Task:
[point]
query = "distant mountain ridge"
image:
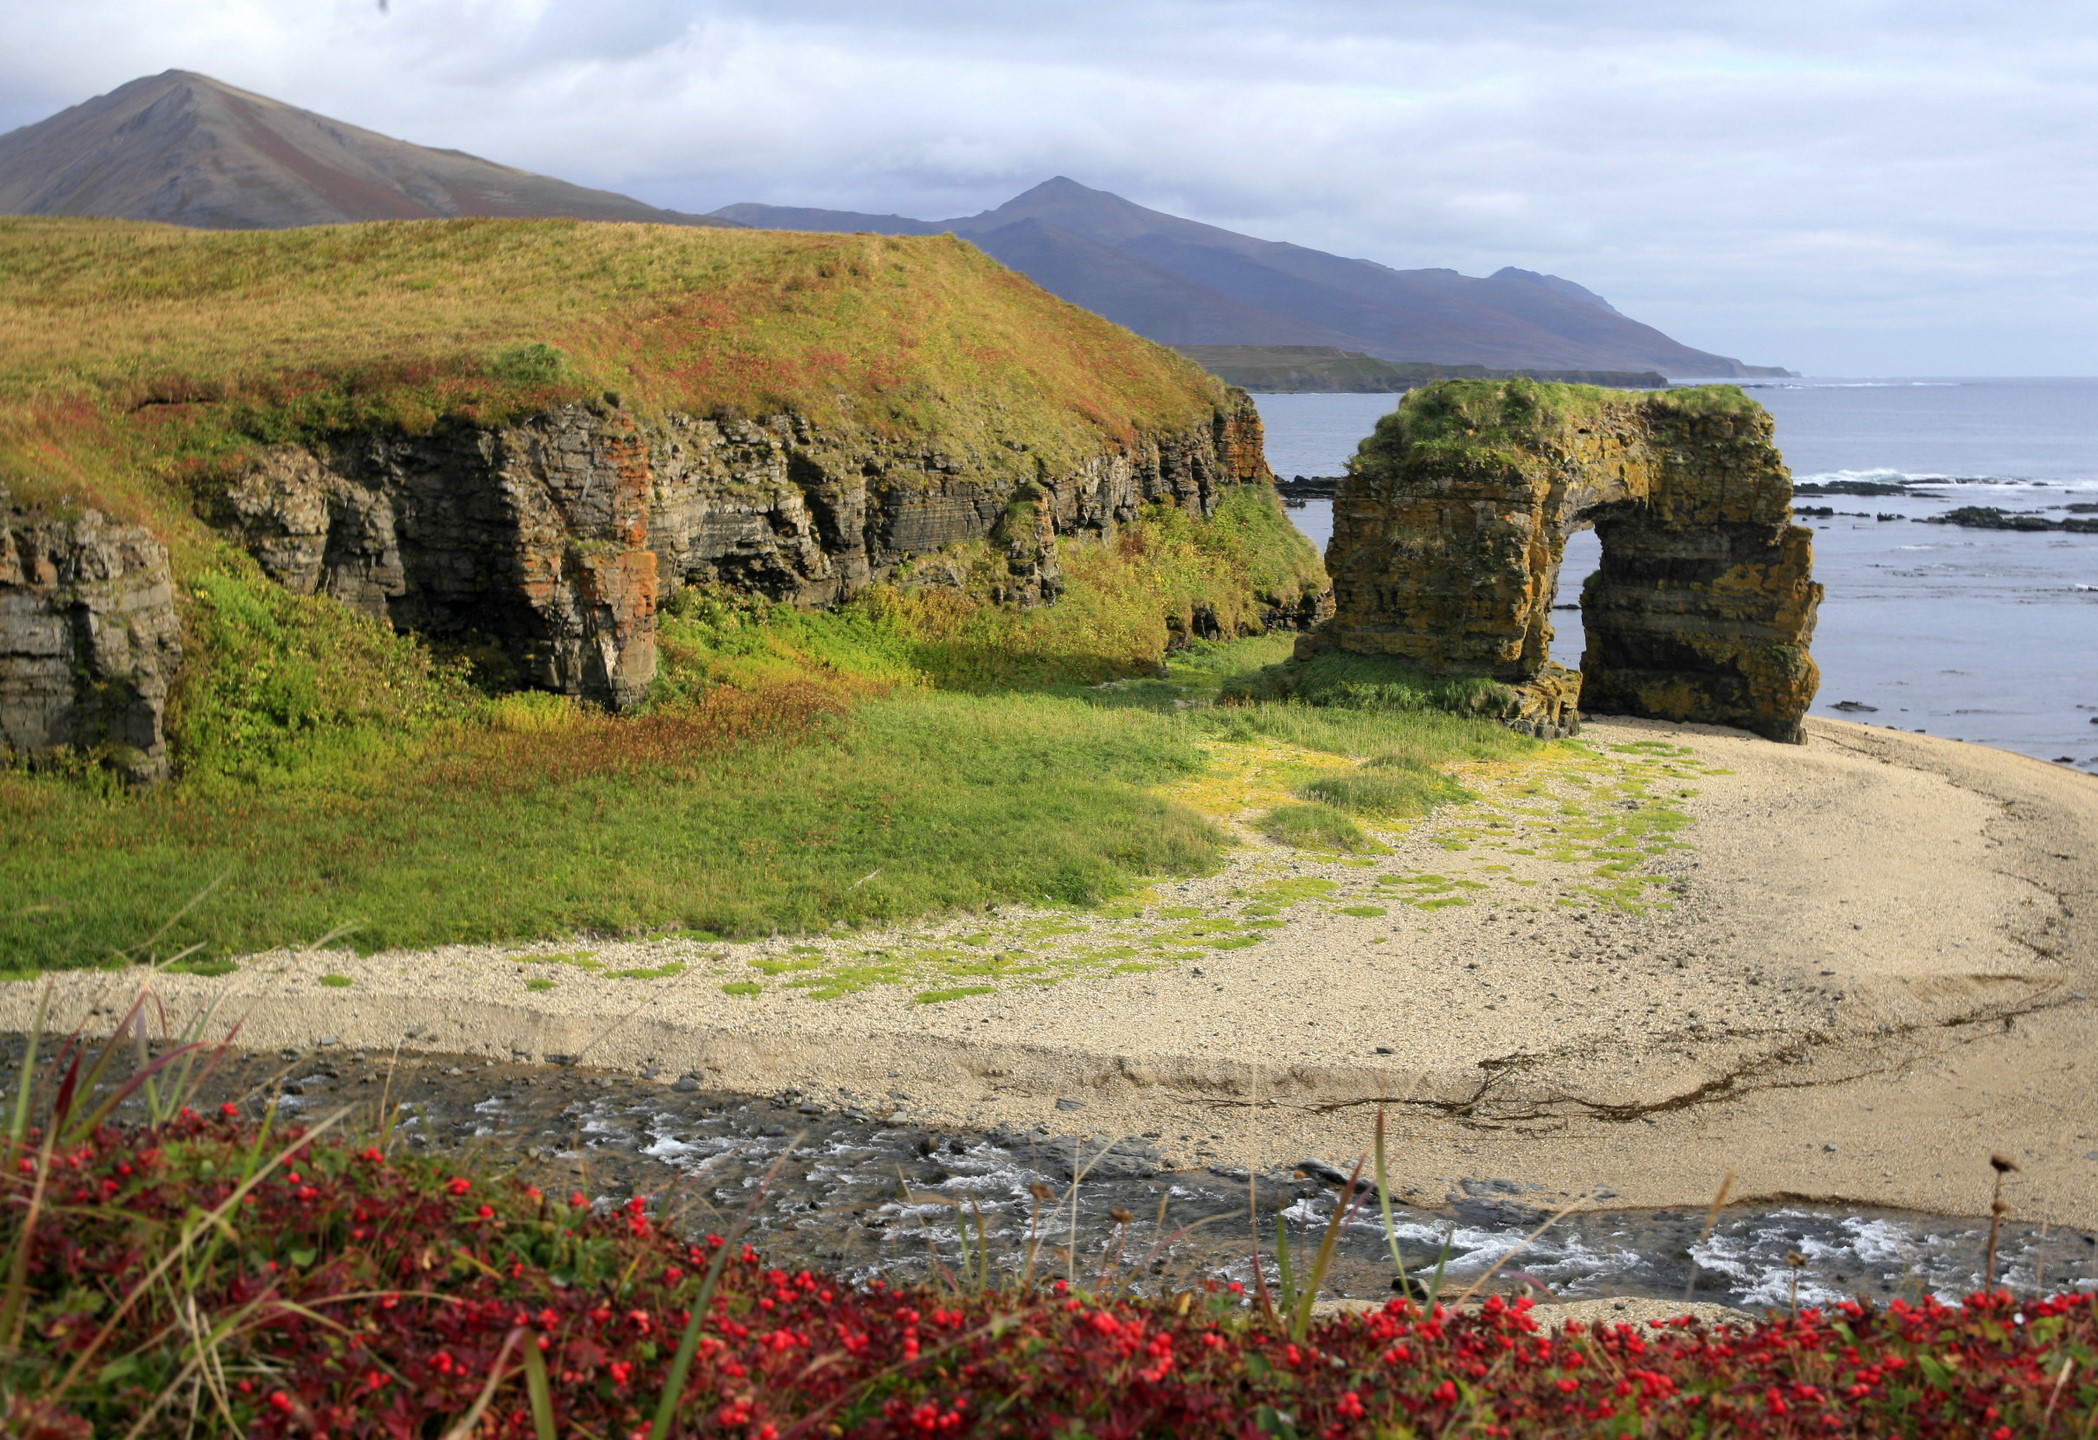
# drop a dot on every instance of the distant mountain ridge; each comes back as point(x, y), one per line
point(1181, 282)
point(187, 149)
point(190, 150)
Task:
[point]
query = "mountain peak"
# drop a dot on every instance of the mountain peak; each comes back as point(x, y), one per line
point(189, 149)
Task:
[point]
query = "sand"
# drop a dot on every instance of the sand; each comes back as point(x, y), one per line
point(1847, 971)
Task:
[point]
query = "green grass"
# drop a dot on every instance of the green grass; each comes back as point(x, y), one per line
point(1384, 793)
point(916, 801)
point(1372, 682)
point(1314, 827)
point(815, 798)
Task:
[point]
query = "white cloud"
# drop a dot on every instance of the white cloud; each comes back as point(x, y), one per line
point(1839, 186)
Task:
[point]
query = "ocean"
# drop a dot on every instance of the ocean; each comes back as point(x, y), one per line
point(1988, 636)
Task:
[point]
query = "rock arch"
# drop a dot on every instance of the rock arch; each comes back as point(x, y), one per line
point(1451, 524)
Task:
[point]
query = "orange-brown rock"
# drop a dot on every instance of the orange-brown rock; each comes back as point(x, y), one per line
point(1451, 524)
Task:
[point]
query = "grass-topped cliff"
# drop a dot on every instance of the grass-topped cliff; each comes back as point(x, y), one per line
point(132, 355)
point(1456, 419)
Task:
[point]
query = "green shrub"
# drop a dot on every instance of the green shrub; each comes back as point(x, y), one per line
point(1386, 793)
point(1314, 827)
point(1373, 682)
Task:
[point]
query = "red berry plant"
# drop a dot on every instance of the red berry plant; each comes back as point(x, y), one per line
point(208, 1274)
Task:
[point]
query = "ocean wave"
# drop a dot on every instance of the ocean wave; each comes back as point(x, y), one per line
point(1886, 476)
point(1841, 384)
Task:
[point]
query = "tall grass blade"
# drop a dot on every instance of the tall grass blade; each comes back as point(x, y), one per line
point(1391, 1229)
point(1527, 1241)
point(540, 1393)
point(18, 1121)
point(1711, 1219)
point(470, 1422)
point(1343, 1211)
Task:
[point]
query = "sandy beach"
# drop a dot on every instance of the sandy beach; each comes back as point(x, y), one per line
point(1848, 971)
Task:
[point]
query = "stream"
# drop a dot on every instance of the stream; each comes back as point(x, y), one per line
point(821, 1184)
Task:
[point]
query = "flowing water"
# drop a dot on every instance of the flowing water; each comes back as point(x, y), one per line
point(1988, 636)
point(826, 1184)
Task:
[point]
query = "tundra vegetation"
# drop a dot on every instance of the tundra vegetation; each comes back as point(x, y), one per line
point(175, 1273)
point(920, 748)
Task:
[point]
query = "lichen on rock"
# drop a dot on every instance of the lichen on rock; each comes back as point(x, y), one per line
point(1451, 525)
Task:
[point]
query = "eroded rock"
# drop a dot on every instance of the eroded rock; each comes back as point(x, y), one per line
point(554, 538)
point(89, 640)
point(1451, 524)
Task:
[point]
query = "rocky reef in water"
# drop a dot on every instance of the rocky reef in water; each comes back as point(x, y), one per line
point(1990, 517)
point(1451, 525)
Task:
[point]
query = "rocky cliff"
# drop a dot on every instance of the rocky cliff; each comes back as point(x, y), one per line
point(89, 641)
point(1451, 524)
point(515, 438)
point(551, 541)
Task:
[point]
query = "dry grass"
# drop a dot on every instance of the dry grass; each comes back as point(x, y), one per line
point(128, 347)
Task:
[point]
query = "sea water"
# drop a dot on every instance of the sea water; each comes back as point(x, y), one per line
point(1987, 636)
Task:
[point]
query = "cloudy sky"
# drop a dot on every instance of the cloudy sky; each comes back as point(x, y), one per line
point(1908, 187)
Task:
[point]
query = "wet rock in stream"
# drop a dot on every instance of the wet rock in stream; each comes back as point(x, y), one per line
point(837, 1187)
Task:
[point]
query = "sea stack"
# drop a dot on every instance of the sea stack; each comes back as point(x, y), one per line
point(1451, 523)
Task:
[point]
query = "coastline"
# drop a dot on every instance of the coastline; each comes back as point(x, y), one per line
point(1862, 967)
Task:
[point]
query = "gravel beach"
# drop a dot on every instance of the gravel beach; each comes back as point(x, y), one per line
point(1847, 972)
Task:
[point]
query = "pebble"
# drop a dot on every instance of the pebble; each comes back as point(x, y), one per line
point(1070, 1104)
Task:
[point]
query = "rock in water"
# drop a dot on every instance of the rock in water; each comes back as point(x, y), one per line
point(1451, 524)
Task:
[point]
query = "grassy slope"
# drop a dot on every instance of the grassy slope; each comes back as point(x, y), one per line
point(788, 758)
point(134, 356)
point(336, 775)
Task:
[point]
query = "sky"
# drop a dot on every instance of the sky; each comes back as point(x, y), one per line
point(1841, 187)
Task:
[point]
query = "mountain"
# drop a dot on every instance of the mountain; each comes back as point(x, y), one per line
point(1181, 282)
point(190, 150)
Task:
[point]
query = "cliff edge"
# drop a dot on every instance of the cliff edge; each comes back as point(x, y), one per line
point(517, 438)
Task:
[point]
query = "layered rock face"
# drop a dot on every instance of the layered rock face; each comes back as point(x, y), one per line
point(89, 640)
point(1450, 527)
point(553, 539)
